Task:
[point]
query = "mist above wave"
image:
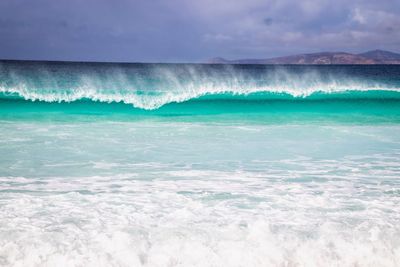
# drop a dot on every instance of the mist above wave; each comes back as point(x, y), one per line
point(150, 88)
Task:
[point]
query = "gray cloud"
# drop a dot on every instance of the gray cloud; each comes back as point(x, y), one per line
point(268, 21)
point(187, 31)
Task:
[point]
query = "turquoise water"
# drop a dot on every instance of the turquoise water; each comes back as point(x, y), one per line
point(199, 165)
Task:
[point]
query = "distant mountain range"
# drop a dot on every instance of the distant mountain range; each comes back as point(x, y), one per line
point(370, 57)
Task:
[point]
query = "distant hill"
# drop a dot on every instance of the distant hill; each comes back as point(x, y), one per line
point(370, 57)
point(381, 55)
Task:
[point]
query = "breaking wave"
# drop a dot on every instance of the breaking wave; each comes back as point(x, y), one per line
point(153, 87)
point(156, 99)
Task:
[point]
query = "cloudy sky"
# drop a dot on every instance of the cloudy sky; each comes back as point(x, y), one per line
point(193, 30)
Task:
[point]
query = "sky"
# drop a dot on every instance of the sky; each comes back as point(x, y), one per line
point(193, 30)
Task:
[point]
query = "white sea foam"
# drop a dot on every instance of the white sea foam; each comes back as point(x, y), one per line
point(191, 194)
point(207, 219)
point(147, 193)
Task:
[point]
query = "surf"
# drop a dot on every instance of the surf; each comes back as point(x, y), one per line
point(187, 89)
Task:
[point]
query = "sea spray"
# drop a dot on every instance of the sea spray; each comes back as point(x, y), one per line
point(152, 86)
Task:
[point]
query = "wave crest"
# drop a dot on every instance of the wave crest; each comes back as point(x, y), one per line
point(155, 99)
point(149, 87)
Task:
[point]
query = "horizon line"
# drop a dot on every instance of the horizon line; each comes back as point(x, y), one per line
point(196, 62)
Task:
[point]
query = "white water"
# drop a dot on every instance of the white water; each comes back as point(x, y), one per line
point(160, 86)
point(195, 194)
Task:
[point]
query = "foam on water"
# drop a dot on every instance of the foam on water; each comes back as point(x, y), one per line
point(329, 198)
point(203, 218)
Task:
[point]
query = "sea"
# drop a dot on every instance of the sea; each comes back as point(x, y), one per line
point(106, 164)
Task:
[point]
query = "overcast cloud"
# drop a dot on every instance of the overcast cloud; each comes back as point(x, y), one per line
point(192, 31)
